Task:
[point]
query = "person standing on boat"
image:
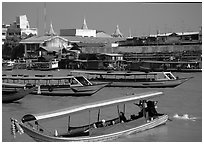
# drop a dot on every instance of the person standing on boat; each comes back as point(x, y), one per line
point(143, 109)
point(151, 109)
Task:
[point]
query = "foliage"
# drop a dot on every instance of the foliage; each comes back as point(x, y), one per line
point(12, 50)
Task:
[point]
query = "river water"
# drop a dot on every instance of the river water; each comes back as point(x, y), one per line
point(176, 102)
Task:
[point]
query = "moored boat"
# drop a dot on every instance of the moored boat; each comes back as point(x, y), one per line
point(97, 129)
point(173, 66)
point(135, 79)
point(12, 93)
point(59, 86)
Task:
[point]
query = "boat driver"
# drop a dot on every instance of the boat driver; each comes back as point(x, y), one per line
point(151, 109)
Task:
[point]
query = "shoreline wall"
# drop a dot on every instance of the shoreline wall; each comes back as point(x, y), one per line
point(153, 49)
point(143, 49)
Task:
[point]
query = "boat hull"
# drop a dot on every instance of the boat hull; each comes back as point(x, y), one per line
point(70, 91)
point(14, 94)
point(148, 84)
point(105, 134)
point(45, 69)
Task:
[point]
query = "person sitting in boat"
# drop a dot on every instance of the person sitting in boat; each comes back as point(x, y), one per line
point(122, 117)
point(103, 122)
point(94, 125)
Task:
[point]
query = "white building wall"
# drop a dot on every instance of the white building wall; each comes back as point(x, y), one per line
point(23, 22)
point(85, 33)
point(29, 31)
point(4, 31)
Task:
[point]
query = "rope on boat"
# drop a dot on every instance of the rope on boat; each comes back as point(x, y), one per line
point(15, 127)
point(42, 129)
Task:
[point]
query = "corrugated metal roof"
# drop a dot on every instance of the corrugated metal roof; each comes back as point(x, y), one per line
point(93, 39)
point(112, 54)
point(36, 39)
point(50, 49)
point(178, 33)
point(90, 44)
point(102, 35)
point(187, 33)
point(41, 39)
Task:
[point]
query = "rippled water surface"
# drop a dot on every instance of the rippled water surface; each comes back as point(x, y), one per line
point(176, 102)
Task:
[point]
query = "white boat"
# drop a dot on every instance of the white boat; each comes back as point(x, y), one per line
point(134, 79)
point(97, 129)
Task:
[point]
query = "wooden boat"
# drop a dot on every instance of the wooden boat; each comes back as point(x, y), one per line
point(59, 86)
point(11, 93)
point(95, 130)
point(135, 79)
point(173, 66)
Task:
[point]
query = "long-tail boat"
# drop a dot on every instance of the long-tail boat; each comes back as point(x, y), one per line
point(134, 79)
point(14, 92)
point(97, 129)
point(58, 86)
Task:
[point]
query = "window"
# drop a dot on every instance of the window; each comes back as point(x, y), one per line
point(169, 76)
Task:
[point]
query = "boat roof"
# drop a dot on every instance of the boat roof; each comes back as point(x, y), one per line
point(38, 78)
point(171, 62)
point(112, 73)
point(13, 85)
point(90, 106)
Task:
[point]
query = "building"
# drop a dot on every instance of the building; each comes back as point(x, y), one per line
point(83, 32)
point(84, 38)
point(117, 32)
point(42, 45)
point(20, 29)
point(4, 32)
point(178, 38)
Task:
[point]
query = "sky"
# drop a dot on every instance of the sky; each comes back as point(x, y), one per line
point(136, 18)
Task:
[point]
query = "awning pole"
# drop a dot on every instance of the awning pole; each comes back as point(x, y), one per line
point(124, 108)
point(89, 118)
point(68, 123)
point(98, 115)
point(144, 110)
point(118, 110)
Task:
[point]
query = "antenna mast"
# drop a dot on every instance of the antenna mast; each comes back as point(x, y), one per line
point(45, 18)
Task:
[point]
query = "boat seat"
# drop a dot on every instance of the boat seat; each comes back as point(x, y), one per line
point(78, 131)
point(37, 75)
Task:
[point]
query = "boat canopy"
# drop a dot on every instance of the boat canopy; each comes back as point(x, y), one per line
point(13, 85)
point(91, 106)
point(38, 78)
point(171, 62)
point(112, 73)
